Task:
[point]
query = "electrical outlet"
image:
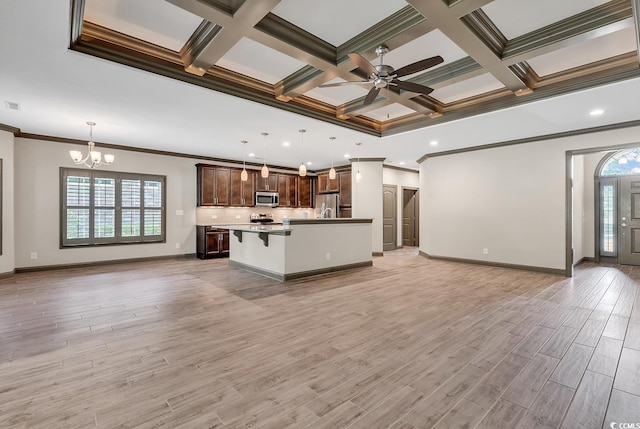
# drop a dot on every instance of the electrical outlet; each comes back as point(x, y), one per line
point(214, 216)
point(179, 212)
point(177, 245)
point(485, 251)
point(328, 256)
point(34, 255)
point(238, 216)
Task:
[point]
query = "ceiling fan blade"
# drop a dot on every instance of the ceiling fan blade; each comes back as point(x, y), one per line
point(419, 66)
point(328, 85)
point(362, 63)
point(373, 93)
point(413, 87)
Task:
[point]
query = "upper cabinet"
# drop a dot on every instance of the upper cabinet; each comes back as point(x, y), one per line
point(326, 185)
point(345, 188)
point(288, 190)
point(214, 185)
point(305, 192)
point(269, 184)
point(242, 193)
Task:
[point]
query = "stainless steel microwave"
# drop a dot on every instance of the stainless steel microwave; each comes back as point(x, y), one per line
point(267, 199)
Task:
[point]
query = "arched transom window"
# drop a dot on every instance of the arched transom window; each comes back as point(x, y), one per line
point(623, 163)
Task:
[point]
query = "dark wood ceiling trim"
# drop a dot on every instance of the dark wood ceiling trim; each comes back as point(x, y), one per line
point(405, 169)
point(97, 34)
point(618, 64)
point(192, 50)
point(244, 19)
point(300, 82)
point(122, 55)
point(76, 19)
point(461, 35)
point(583, 131)
point(104, 145)
point(285, 31)
point(589, 24)
point(8, 128)
point(228, 6)
point(486, 30)
point(507, 101)
point(384, 31)
point(524, 71)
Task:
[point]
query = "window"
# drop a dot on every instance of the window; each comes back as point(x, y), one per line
point(101, 207)
point(622, 163)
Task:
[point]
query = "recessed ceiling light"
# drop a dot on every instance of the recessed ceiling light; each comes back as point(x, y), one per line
point(596, 112)
point(252, 154)
point(12, 105)
point(346, 155)
point(433, 143)
point(309, 163)
point(401, 163)
point(285, 143)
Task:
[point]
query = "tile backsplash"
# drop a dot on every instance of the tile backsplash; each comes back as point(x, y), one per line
point(223, 215)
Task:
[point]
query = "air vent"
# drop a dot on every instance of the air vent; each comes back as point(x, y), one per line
point(12, 105)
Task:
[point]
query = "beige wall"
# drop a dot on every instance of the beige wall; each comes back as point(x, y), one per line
point(37, 207)
point(366, 198)
point(7, 259)
point(400, 178)
point(510, 200)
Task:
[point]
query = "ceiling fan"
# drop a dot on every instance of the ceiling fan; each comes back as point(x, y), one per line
point(384, 76)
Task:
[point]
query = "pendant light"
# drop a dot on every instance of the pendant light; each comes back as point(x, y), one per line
point(264, 172)
point(244, 176)
point(302, 170)
point(358, 174)
point(332, 172)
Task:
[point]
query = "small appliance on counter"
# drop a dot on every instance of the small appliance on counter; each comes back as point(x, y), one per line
point(263, 218)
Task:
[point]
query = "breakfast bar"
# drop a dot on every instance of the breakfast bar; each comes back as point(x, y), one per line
point(301, 247)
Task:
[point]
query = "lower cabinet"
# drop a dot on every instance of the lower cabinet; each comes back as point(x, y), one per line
point(211, 242)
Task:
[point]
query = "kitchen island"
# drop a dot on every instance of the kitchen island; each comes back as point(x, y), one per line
point(301, 247)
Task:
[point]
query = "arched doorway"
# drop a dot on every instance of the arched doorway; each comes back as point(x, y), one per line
point(618, 218)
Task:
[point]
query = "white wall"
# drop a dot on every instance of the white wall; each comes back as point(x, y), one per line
point(7, 259)
point(510, 200)
point(366, 198)
point(37, 205)
point(400, 178)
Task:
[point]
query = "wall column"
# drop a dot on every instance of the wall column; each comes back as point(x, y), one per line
point(367, 196)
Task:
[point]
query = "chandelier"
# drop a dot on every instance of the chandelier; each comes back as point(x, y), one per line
point(93, 158)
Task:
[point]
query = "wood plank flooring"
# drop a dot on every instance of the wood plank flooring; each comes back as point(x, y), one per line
point(408, 343)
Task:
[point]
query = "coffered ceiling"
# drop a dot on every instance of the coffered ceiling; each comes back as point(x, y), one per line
point(199, 76)
point(497, 54)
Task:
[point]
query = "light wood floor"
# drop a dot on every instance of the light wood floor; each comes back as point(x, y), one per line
point(407, 343)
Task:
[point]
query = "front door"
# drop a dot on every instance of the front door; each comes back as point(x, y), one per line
point(629, 221)
point(389, 214)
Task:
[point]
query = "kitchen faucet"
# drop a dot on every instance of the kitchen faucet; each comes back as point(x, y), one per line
point(324, 210)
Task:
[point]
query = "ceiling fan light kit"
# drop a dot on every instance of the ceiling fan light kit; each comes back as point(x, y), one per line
point(385, 76)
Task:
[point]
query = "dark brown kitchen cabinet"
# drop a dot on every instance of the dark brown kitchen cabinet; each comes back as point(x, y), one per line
point(344, 178)
point(270, 184)
point(213, 185)
point(211, 242)
point(288, 190)
point(242, 193)
point(305, 192)
point(326, 185)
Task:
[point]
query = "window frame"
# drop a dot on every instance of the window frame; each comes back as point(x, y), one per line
point(118, 239)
